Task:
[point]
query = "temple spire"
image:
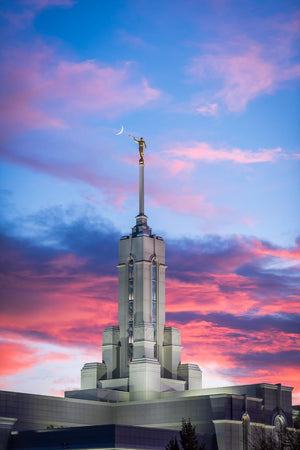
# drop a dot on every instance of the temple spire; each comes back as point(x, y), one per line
point(142, 145)
point(141, 227)
point(141, 189)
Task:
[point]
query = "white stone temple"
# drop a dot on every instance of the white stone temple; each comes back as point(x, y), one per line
point(141, 356)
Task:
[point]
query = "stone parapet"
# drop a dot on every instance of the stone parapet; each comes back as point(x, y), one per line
point(91, 373)
point(192, 374)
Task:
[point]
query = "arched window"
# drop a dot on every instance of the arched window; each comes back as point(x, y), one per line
point(130, 307)
point(279, 422)
point(279, 429)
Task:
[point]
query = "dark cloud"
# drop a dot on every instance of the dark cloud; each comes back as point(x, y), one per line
point(207, 254)
point(289, 323)
point(182, 317)
point(91, 238)
point(263, 359)
point(59, 270)
point(20, 253)
point(81, 336)
point(201, 261)
point(57, 234)
point(60, 286)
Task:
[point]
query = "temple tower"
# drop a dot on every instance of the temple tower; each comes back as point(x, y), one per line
point(141, 291)
point(141, 355)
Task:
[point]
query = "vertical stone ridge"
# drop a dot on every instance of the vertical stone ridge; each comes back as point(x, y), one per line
point(141, 190)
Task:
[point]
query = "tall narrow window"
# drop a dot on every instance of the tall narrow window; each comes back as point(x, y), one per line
point(154, 296)
point(130, 307)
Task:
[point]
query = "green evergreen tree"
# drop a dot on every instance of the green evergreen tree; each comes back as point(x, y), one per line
point(188, 438)
point(173, 444)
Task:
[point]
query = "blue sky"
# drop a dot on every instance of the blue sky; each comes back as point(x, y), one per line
point(184, 73)
point(213, 87)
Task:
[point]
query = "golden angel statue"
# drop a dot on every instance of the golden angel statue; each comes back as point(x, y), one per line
point(142, 144)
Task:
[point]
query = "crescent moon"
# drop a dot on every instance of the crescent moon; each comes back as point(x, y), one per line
point(121, 131)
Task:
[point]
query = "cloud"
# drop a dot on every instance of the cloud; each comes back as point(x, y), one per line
point(28, 10)
point(288, 323)
point(242, 355)
point(184, 202)
point(202, 151)
point(211, 275)
point(281, 366)
point(267, 249)
point(55, 293)
point(60, 288)
point(239, 297)
point(113, 190)
point(290, 358)
point(16, 356)
point(181, 157)
point(210, 109)
point(132, 40)
point(245, 68)
point(40, 89)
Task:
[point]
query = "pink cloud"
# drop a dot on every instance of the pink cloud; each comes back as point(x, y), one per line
point(246, 68)
point(58, 297)
point(283, 253)
point(210, 109)
point(231, 348)
point(204, 152)
point(196, 332)
point(172, 167)
point(76, 298)
point(185, 203)
point(245, 76)
point(249, 221)
point(178, 160)
point(225, 289)
point(230, 353)
point(228, 357)
point(16, 357)
point(182, 157)
point(115, 192)
point(88, 86)
point(228, 292)
point(285, 374)
point(41, 90)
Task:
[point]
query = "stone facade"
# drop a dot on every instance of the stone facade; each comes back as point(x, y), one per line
point(217, 413)
point(140, 355)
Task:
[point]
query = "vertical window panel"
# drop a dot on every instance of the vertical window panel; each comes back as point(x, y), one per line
point(154, 296)
point(130, 308)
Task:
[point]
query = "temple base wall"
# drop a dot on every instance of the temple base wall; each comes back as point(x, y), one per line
point(144, 379)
